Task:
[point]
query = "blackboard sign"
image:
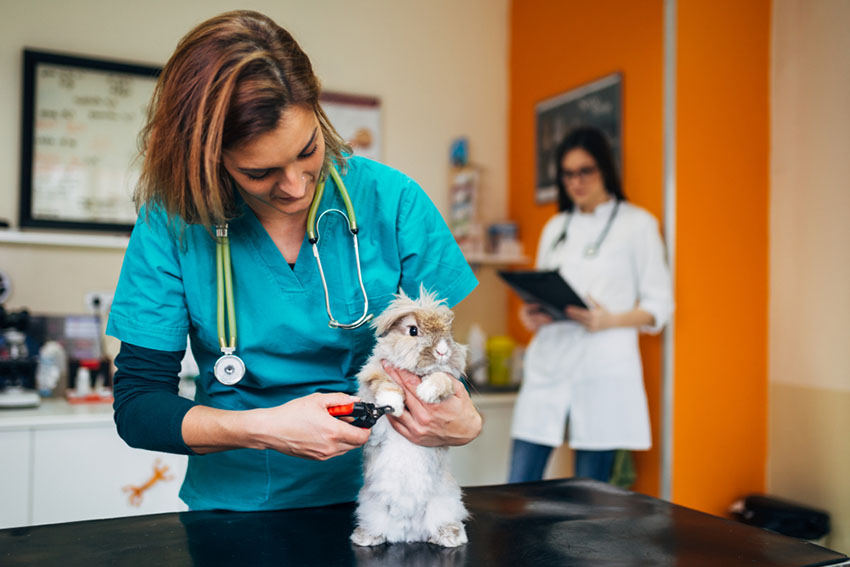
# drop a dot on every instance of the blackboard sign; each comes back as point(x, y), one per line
point(79, 141)
point(596, 104)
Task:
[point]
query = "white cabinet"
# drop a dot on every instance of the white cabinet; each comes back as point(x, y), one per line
point(88, 473)
point(62, 463)
point(15, 483)
point(486, 460)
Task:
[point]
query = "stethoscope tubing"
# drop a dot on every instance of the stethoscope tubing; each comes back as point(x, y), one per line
point(313, 223)
point(365, 317)
point(225, 290)
point(229, 368)
point(313, 236)
point(592, 250)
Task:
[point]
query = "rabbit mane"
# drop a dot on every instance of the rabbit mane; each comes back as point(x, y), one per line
point(434, 319)
point(403, 305)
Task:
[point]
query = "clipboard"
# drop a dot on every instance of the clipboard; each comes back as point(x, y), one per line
point(546, 288)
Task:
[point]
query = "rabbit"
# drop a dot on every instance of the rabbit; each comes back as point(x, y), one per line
point(409, 494)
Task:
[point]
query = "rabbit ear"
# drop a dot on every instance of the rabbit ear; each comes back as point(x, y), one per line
point(398, 308)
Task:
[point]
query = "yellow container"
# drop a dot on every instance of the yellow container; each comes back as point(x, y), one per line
point(500, 350)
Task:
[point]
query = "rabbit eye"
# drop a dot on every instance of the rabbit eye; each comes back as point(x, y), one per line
point(413, 330)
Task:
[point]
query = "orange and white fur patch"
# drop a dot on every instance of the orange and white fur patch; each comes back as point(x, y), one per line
point(409, 494)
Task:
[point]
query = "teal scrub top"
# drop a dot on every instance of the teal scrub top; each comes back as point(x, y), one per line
point(167, 291)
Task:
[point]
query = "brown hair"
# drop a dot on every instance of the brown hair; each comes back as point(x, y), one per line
point(229, 80)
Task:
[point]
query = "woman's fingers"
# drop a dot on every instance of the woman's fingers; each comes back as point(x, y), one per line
point(303, 427)
point(453, 421)
point(577, 313)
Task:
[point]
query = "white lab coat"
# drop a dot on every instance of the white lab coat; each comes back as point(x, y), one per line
point(595, 379)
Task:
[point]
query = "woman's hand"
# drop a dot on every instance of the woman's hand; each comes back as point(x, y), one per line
point(533, 317)
point(301, 428)
point(453, 421)
point(597, 318)
point(304, 428)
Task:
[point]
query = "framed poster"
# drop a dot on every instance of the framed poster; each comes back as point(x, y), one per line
point(79, 141)
point(463, 196)
point(596, 104)
point(357, 118)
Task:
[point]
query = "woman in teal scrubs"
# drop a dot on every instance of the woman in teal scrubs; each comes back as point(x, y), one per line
point(236, 135)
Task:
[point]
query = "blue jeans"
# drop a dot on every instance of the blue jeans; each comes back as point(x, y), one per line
point(528, 462)
point(594, 464)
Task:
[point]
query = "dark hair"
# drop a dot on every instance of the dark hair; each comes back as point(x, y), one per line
point(593, 141)
point(229, 80)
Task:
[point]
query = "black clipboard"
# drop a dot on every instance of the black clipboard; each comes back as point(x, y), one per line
point(546, 288)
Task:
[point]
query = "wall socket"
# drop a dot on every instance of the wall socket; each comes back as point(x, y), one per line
point(98, 302)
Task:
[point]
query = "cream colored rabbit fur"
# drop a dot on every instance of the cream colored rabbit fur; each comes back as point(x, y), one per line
point(409, 493)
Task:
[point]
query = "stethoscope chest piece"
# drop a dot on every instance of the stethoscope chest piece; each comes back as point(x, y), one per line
point(229, 369)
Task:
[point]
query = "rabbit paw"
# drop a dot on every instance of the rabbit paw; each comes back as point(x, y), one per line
point(449, 535)
point(435, 387)
point(362, 538)
point(391, 398)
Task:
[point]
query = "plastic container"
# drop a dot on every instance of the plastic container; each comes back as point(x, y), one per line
point(500, 350)
point(477, 343)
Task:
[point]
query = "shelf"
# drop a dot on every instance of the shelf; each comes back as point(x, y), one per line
point(13, 236)
point(494, 259)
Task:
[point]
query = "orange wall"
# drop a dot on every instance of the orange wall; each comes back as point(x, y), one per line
point(556, 46)
point(720, 419)
point(719, 448)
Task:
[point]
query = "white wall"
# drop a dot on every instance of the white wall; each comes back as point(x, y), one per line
point(809, 327)
point(439, 68)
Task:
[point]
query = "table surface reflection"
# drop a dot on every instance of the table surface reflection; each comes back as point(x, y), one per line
point(572, 522)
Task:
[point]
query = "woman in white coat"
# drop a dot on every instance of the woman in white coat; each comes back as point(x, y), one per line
point(584, 374)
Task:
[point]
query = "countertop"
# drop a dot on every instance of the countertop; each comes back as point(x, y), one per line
point(55, 412)
point(572, 522)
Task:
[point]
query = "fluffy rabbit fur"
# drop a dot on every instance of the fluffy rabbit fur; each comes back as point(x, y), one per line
point(409, 493)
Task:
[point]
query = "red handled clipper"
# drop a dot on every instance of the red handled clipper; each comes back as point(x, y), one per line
point(364, 413)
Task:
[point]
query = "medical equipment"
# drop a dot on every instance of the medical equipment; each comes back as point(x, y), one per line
point(313, 237)
point(365, 414)
point(17, 365)
point(229, 368)
point(592, 249)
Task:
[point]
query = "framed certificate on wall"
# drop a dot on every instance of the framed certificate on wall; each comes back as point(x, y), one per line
point(81, 122)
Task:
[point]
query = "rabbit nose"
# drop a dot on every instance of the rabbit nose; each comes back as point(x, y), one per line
point(442, 348)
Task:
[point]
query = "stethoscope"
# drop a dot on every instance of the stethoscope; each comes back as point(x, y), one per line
point(229, 368)
point(592, 249)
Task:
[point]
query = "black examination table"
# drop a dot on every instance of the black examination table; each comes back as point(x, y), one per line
point(550, 523)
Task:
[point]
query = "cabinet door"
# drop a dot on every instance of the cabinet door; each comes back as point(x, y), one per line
point(486, 460)
point(84, 473)
point(15, 478)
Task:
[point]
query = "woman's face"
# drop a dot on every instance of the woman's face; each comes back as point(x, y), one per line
point(583, 180)
point(276, 172)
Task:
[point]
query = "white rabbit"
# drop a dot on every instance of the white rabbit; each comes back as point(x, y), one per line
point(409, 493)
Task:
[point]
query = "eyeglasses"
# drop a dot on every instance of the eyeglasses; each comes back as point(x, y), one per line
point(583, 173)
